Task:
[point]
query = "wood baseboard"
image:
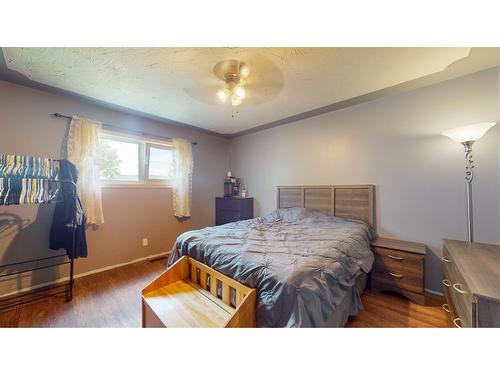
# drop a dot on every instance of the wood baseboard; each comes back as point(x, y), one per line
point(429, 298)
point(433, 299)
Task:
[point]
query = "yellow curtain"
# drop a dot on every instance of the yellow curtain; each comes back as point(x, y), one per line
point(83, 147)
point(182, 189)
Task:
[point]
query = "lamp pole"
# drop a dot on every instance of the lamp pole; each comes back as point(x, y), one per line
point(469, 175)
point(467, 135)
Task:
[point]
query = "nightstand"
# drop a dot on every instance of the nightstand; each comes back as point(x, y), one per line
point(228, 210)
point(399, 267)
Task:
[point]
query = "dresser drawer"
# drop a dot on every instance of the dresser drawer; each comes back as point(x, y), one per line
point(399, 260)
point(228, 210)
point(447, 290)
point(395, 281)
point(457, 292)
point(446, 260)
point(472, 281)
point(224, 217)
point(229, 204)
point(460, 297)
point(398, 269)
point(448, 307)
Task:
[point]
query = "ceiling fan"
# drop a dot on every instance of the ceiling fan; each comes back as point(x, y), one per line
point(234, 73)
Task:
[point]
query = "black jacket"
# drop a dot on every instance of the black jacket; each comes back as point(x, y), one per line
point(69, 213)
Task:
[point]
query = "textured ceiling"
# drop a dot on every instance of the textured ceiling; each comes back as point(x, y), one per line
point(178, 83)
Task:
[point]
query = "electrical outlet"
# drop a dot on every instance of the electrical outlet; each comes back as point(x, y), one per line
point(144, 242)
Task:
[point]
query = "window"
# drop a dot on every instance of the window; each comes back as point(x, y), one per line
point(134, 161)
point(160, 162)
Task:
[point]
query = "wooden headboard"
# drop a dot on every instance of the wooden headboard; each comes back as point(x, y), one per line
point(347, 201)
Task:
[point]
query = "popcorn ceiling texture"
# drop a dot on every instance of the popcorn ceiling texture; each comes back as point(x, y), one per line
point(179, 84)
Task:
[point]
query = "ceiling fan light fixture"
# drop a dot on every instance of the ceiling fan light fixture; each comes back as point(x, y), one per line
point(234, 74)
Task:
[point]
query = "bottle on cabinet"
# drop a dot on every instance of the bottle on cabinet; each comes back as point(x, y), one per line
point(231, 186)
point(228, 186)
point(236, 188)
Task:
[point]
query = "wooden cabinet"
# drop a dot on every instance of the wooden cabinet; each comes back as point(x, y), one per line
point(471, 283)
point(228, 210)
point(399, 267)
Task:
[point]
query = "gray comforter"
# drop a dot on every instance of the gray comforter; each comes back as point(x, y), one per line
point(303, 263)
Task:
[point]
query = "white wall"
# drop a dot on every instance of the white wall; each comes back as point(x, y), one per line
point(394, 143)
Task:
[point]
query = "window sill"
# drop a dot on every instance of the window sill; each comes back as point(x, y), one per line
point(135, 186)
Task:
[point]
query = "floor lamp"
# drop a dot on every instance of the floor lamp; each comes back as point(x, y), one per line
point(467, 135)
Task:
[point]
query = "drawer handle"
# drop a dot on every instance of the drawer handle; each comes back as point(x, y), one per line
point(455, 322)
point(446, 260)
point(446, 307)
point(446, 282)
point(394, 257)
point(457, 286)
point(395, 275)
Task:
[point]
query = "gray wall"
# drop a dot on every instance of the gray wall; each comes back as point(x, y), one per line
point(130, 214)
point(395, 144)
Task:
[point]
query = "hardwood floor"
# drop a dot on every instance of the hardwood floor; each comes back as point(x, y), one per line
point(386, 310)
point(112, 299)
point(107, 299)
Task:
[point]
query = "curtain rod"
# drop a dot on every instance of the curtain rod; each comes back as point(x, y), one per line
point(120, 129)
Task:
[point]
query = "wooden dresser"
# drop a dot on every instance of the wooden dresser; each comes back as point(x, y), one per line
point(228, 210)
point(471, 283)
point(399, 267)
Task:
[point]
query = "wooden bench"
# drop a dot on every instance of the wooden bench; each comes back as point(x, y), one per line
point(191, 294)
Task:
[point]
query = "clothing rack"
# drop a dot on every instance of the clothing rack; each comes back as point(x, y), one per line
point(120, 129)
point(23, 298)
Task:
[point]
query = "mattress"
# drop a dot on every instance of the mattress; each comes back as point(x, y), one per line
point(304, 264)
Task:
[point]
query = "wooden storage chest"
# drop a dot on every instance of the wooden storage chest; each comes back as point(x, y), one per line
point(191, 294)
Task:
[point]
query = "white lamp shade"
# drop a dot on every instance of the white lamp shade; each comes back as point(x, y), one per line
point(469, 132)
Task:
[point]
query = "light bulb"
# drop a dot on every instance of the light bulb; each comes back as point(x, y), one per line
point(222, 95)
point(239, 92)
point(235, 101)
point(244, 70)
point(469, 133)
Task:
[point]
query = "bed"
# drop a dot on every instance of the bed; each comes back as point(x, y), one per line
point(308, 259)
